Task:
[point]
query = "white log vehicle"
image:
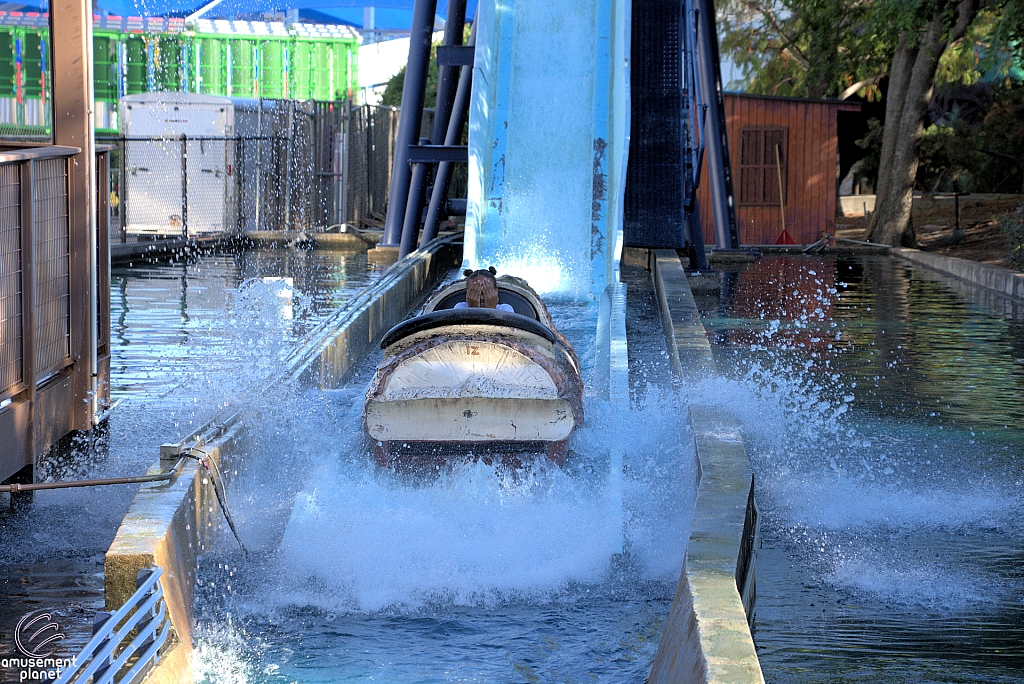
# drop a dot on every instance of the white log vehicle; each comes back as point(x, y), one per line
point(475, 377)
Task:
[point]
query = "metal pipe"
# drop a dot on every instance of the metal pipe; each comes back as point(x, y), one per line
point(413, 92)
point(719, 171)
point(201, 11)
point(443, 177)
point(159, 477)
point(447, 77)
point(91, 185)
point(414, 206)
point(446, 93)
point(695, 239)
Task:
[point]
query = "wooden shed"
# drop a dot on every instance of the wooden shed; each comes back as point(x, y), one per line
point(766, 133)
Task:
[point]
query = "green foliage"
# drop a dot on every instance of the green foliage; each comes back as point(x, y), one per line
point(984, 157)
point(806, 48)
point(392, 96)
point(819, 48)
point(1013, 225)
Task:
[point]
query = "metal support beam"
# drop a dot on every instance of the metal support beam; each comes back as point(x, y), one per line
point(72, 60)
point(457, 55)
point(413, 92)
point(436, 154)
point(443, 177)
point(446, 85)
point(414, 205)
point(694, 116)
point(448, 75)
point(709, 79)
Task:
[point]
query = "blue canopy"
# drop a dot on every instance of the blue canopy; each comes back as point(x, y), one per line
point(389, 14)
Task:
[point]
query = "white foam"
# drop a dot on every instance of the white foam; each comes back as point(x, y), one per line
point(859, 497)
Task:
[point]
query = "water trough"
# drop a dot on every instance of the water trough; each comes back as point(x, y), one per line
point(706, 637)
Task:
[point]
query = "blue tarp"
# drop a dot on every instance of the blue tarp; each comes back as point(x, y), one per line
point(389, 15)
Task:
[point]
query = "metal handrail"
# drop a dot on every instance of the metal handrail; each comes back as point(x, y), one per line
point(41, 152)
point(100, 660)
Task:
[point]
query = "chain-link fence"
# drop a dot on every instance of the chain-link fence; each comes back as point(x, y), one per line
point(290, 166)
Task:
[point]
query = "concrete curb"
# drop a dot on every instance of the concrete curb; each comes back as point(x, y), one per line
point(707, 637)
point(169, 523)
point(330, 240)
point(1003, 281)
point(146, 250)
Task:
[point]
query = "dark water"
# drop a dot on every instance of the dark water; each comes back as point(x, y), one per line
point(884, 414)
point(187, 338)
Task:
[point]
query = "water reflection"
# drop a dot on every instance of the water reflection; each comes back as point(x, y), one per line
point(218, 315)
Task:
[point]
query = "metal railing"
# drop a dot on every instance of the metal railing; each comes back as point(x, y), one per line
point(143, 620)
point(35, 281)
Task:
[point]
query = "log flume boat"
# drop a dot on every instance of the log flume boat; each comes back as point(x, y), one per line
point(475, 379)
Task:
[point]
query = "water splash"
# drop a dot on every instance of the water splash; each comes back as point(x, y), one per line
point(857, 494)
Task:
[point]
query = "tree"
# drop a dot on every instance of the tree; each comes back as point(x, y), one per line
point(927, 28)
point(804, 48)
point(817, 48)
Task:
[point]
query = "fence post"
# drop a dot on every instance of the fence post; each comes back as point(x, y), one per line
point(141, 579)
point(344, 185)
point(288, 167)
point(184, 185)
point(28, 306)
point(259, 160)
point(122, 190)
point(98, 623)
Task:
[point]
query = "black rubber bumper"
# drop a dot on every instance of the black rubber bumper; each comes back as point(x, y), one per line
point(471, 316)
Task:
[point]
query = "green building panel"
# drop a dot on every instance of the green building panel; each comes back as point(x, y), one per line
point(211, 55)
point(8, 83)
point(137, 64)
point(300, 71)
point(273, 71)
point(323, 73)
point(243, 68)
point(168, 63)
point(32, 59)
point(344, 67)
point(106, 69)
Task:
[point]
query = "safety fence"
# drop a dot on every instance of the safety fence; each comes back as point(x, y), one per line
point(126, 643)
point(45, 290)
point(35, 283)
point(290, 166)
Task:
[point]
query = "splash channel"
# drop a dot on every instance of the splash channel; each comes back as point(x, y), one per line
point(474, 572)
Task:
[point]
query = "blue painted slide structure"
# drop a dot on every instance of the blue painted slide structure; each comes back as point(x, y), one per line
point(548, 141)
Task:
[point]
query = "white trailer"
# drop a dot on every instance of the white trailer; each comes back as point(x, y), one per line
point(165, 193)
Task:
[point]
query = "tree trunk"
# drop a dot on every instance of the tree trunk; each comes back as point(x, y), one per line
point(911, 80)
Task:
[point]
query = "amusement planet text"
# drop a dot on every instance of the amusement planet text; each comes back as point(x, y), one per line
point(36, 669)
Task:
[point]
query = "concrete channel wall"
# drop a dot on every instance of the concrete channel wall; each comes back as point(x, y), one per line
point(707, 635)
point(169, 523)
point(1003, 281)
